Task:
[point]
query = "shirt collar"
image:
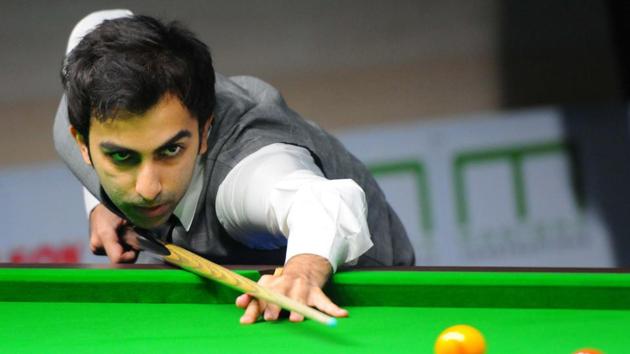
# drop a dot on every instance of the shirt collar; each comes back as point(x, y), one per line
point(185, 210)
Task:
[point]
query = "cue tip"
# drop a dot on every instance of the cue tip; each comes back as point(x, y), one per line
point(332, 323)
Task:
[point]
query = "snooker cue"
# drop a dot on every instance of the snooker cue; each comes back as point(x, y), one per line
point(207, 269)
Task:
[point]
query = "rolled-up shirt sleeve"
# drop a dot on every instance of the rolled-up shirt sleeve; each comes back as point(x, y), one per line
point(278, 195)
point(90, 201)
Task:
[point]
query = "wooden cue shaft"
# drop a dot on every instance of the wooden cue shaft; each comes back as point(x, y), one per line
point(205, 268)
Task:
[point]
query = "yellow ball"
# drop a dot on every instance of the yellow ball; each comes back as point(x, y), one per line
point(460, 339)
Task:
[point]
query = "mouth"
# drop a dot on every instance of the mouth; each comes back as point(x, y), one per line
point(153, 212)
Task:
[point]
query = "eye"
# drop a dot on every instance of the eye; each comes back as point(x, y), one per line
point(171, 151)
point(120, 156)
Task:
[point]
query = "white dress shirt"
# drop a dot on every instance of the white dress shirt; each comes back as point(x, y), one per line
point(278, 196)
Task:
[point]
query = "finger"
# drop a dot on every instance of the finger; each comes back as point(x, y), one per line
point(262, 306)
point(296, 317)
point(130, 238)
point(112, 246)
point(299, 293)
point(251, 313)
point(243, 301)
point(96, 246)
point(319, 300)
point(258, 307)
point(267, 282)
point(128, 256)
point(272, 311)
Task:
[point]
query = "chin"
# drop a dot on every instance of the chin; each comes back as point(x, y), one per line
point(154, 224)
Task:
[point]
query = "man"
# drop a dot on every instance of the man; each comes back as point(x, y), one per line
point(163, 142)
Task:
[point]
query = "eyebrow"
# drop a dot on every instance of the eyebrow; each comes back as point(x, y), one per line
point(184, 133)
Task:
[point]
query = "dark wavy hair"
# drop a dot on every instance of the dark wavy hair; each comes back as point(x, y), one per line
point(124, 66)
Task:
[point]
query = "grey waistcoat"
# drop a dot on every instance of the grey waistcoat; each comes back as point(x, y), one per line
point(249, 115)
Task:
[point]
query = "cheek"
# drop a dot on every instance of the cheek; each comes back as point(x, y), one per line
point(117, 184)
point(177, 178)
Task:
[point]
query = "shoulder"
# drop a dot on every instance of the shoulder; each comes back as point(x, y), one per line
point(237, 96)
point(259, 90)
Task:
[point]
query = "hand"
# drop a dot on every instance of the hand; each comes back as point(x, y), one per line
point(302, 279)
point(110, 234)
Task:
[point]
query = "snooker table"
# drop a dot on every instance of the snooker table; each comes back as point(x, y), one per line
point(399, 310)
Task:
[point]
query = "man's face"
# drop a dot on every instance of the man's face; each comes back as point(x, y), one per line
point(145, 162)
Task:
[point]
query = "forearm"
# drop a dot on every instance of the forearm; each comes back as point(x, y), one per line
point(279, 191)
point(324, 217)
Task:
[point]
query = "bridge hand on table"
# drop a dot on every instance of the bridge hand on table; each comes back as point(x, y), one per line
point(301, 279)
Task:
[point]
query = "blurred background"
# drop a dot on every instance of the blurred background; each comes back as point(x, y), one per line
point(498, 129)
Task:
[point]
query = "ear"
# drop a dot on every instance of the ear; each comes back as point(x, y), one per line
point(81, 143)
point(203, 144)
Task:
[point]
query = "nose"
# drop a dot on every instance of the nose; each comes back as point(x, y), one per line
point(148, 184)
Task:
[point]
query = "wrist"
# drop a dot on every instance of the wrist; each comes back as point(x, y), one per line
point(91, 211)
point(315, 269)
